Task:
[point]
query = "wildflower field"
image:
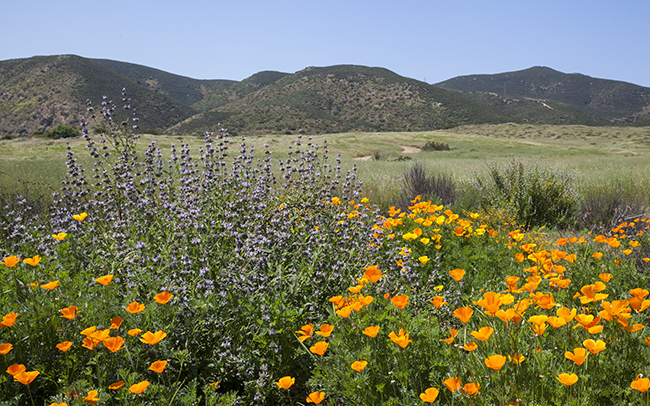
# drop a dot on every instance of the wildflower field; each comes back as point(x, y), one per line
point(205, 279)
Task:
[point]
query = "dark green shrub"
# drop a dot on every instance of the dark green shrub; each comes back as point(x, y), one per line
point(63, 131)
point(536, 196)
point(435, 146)
point(430, 186)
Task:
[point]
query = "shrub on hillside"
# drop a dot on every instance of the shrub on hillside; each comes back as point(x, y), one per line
point(536, 196)
point(63, 131)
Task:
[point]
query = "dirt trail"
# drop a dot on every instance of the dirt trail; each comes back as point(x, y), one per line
point(410, 150)
point(405, 150)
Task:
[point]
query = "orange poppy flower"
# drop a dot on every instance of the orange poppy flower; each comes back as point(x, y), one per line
point(400, 301)
point(568, 379)
point(319, 348)
point(453, 333)
point(116, 385)
point(464, 313)
point(556, 322)
point(163, 297)
point(566, 313)
point(359, 365)
point(153, 338)
point(594, 346)
point(10, 261)
point(25, 377)
point(113, 344)
point(285, 382)
point(471, 388)
point(90, 343)
point(430, 395)
point(438, 301)
point(371, 331)
point(483, 333)
point(64, 346)
point(135, 307)
point(579, 355)
point(69, 312)
point(305, 332)
point(15, 369)
point(402, 339)
point(158, 366)
point(139, 387)
point(134, 332)
point(372, 273)
point(59, 236)
point(518, 358)
point(344, 311)
point(325, 330)
point(316, 397)
point(51, 285)
point(495, 362)
point(457, 274)
point(33, 261)
point(104, 280)
point(5, 348)
point(640, 384)
point(471, 346)
point(116, 322)
point(452, 384)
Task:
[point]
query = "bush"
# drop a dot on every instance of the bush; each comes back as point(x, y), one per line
point(417, 182)
point(536, 196)
point(607, 205)
point(63, 131)
point(435, 146)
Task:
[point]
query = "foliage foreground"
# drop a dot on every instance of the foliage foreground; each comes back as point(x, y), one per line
point(193, 281)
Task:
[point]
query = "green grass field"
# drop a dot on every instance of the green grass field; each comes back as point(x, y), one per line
point(597, 156)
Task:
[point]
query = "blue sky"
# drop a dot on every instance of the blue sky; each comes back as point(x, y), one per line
point(432, 40)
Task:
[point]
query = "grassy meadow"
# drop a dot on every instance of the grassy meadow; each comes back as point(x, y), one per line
point(271, 272)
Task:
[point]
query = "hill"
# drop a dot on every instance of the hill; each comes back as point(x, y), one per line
point(338, 99)
point(40, 92)
point(180, 88)
point(581, 99)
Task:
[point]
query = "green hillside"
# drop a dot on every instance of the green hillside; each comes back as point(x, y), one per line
point(40, 92)
point(180, 88)
point(343, 98)
point(614, 101)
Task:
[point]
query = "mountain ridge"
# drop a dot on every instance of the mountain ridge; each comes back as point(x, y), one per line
point(42, 91)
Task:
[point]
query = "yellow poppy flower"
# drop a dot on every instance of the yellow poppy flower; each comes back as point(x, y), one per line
point(579, 355)
point(80, 217)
